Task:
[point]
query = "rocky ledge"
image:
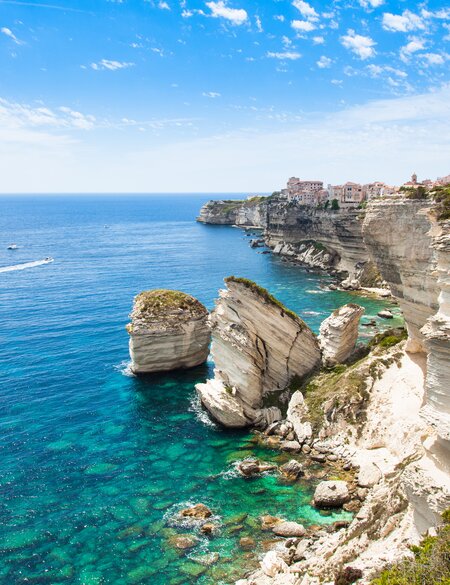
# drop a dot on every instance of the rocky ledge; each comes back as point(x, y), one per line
point(168, 330)
point(339, 333)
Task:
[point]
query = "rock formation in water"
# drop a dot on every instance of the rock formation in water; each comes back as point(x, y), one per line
point(168, 330)
point(339, 333)
point(258, 346)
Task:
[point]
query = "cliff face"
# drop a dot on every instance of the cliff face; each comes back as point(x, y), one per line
point(258, 346)
point(338, 233)
point(251, 212)
point(168, 330)
point(412, 251)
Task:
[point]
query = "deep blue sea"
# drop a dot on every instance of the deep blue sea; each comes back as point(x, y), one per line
point(94, 462)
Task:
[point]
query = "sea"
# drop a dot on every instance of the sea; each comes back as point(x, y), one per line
point(96, 463)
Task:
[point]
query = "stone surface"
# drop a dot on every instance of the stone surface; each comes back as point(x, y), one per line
point(369, 474)
point(272, 564)
point(289, 529)
point(250, 467)
point(297, 415)
point(292, 469)
point(199, 511)
point(258, 347)
point(339, 333)
point(331, 494)
point(168, 330)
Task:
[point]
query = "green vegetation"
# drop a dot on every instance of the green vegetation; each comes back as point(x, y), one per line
point(389, 338)
point(264, 294)
point(430, 564)
point(418, 192)
point(153, 303)
point(441, 196)
point(334, 204)
point(327, 203)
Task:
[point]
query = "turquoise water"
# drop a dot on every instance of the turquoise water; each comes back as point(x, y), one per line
point(95, 463)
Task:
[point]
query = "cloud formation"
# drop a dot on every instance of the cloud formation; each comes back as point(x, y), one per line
point(110, 65)
point(220, 9)
point(361, 45)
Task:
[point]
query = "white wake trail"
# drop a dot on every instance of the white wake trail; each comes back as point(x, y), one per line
point(25, 265)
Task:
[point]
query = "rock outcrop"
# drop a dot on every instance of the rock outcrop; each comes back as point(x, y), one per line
point(331, 494)
point(258, 346)
point(339, 333)
point(246, 213)
point(168, 330)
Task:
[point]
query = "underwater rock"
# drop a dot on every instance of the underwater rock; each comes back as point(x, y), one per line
point(292, 469)
point(247, 543)
point(168, 330)
point(339, 333)
point(331, 494)
point(183, 541)
point(250, 467)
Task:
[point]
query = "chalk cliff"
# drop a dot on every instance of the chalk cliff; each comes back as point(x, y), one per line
point(245, 213)
point(412, 250)
point(168, 330)
point(258, 346)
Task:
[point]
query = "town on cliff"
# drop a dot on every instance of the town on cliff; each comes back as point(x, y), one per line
point(371, 422)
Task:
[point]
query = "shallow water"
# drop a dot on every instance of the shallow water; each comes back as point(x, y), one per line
point(95, 462)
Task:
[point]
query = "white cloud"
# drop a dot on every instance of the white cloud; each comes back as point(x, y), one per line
point(359, 44)
point(9, 33)
point(163, 6)
point(377, 70)
point(434, 58)
point(318, 40)
point(371, 3)
point(279, 17)
point(324, 62)
point(303, 25)
point(305, 9)
point(412, 47)
point(405, 22)
point(110, 65)
point(258, 24)
point(286, 41)
point(211, 94)
point(285, 55)
point(221, 10)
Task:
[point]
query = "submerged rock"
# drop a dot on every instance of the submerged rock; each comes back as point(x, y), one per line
point(331, 494)
point(339, 333)
point(199, 511)
point(258, 347)
point(168, 330)
point(250, 467)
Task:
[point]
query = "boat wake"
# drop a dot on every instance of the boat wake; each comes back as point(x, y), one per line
point(26, 265)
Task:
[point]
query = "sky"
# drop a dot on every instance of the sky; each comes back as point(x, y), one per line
point(221, 95)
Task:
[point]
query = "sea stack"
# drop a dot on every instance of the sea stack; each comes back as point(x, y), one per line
point(168, 331)
point(339, 334)
point(258, 347)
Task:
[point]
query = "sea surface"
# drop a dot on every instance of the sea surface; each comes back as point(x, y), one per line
point(95, 463)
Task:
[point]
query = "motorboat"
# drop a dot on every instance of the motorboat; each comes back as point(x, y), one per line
point(12, 247)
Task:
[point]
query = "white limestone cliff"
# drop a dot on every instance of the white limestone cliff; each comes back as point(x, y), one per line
point(339, 333)
point(258, 346)
point(168, 330)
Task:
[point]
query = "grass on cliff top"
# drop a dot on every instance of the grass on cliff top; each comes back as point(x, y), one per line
point(430, 564)
point(161, 302)
point(264, 294)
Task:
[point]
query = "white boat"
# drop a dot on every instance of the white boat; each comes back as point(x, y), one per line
point(12, 247)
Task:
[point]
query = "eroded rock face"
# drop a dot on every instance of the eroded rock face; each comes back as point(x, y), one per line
point(168, 330)
point(339, 333)
point(258, 346)
point(245, 213)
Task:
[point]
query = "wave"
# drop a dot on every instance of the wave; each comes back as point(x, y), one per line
point(201, 415)
point(125, 369)
point(26, 265)
point(316, 292)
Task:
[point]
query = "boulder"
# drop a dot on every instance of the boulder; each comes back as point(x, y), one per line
point(247, 543)
point(369, 474)
point(199, 512)
point(289, 529)
point(292, 446)
point(297, 414)
point(168, 331)
point(272, 564)
point(249, 467)
point(268, 521)
point(331, 494)
point(292, 469)
point(385, 314)
point(339, 333)
point(223, 405)
point(183, 541)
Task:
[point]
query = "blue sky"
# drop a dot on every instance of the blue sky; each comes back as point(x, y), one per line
point(194, 95)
